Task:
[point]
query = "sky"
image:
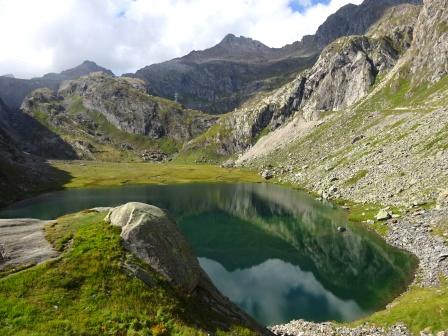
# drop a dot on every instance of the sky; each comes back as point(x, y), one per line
point(41, 36)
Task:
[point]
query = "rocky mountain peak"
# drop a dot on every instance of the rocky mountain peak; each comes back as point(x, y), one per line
point(83, 69)
point(231, 48)
point(355, 19)
point(241, 42)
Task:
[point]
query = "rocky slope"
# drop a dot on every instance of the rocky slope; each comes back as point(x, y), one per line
point(345, 72)
point(355, 20)
point(20, 173)
point(392, 142)
point(223, 77)
point(103, 117)
point(218, 79)
point(14, 90)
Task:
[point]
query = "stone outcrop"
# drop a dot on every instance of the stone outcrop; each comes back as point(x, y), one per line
point(152, 237)
point(125, 104)
point(429, 52)
point(23, 243)
point(100, 113)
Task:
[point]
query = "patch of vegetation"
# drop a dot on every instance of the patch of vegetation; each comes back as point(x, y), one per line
point(75, 105)
point(92, 173)
point(419, 308)
point(357, 177)
point(438, 140)
point(206, 147)
point(401, 93)
point(442, 28)
point(87, 292)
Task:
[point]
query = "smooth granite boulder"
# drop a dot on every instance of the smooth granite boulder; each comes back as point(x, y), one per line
point(153, 237)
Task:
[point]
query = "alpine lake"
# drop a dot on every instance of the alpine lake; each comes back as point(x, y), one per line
point(276, 252)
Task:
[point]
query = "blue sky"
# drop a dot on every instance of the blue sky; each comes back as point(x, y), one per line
point(301, 5)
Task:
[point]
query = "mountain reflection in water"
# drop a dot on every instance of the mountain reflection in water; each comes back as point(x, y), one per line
point(274, 251)
point(285, 292)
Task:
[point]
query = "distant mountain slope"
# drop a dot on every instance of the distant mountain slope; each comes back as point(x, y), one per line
point(390, 145)
point(107, 118)
point(13, 90)
point(345, 72)
point(83, 69)
point(221, 78)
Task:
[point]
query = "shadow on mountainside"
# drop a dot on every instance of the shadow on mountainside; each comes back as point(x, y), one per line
point(26, 176)
point(22, 174)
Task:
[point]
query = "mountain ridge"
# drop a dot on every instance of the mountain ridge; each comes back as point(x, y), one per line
point(221, 78)
point(14, 90)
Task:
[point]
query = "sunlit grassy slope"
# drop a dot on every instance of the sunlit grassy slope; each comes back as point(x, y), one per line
point(87, 292)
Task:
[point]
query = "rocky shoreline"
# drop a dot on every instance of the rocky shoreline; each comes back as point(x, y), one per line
point(414, 233)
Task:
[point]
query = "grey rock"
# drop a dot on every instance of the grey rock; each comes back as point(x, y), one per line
point(267, 174)
point(443, 256)
point(430, 47)
point(383, 215)
point(153, 237)
point(23, 243)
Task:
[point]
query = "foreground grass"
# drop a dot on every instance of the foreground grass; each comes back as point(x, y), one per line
point(419, 309)
point(87, 292)
point(93, 173)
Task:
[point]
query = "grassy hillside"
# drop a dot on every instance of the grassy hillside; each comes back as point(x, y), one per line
point(86, 291)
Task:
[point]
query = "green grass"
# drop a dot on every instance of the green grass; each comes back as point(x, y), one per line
point(419, 309)
point(207, 146)
point(92, 173)
point(357, 177)
point(402, 93)
point(86, 291)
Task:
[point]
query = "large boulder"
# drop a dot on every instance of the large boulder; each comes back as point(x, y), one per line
point(153, 237)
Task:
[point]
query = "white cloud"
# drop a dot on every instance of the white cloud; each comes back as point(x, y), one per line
point(124, 35)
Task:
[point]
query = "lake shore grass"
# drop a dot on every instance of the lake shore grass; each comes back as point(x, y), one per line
point(107, 174)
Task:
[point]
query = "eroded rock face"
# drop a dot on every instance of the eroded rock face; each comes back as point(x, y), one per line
point(223, 77)
point(430, 48)
point(153, 237)
point(125, 103)
point(343, 74)
point(101, 111)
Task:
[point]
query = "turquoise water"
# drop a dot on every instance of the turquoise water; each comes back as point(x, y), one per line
point(275, 252)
